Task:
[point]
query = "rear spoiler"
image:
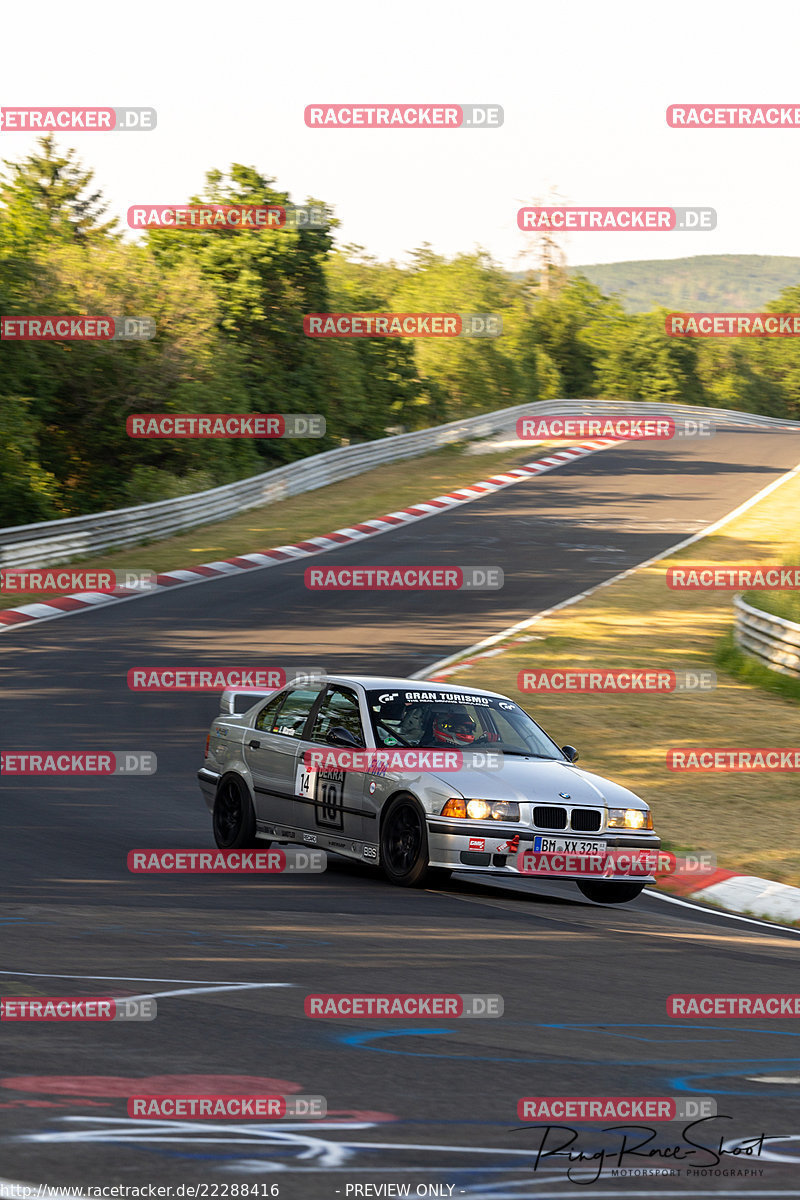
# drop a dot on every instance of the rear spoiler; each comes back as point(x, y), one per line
point(237, 701)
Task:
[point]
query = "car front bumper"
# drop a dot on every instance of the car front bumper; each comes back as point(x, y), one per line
point(483, 849)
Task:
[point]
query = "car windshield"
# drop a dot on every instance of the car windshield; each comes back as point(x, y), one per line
point(434, 718)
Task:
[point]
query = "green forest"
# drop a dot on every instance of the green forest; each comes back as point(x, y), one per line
point(703, 283)
point(229, 308)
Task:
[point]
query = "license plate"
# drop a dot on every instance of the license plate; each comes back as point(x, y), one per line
point(567, 845)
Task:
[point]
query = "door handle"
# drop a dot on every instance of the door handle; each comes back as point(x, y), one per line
point(254, 745)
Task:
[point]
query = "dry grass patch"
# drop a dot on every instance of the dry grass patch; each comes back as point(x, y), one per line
point(748, 819)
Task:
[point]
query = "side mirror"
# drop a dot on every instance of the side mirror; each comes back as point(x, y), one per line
point(570, 752)
point(339, 736)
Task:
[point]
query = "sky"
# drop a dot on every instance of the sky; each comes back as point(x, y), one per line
point(584, 88)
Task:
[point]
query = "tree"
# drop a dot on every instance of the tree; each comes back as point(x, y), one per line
point(472, 374)
point(43, 199)
point(570, 325)
point(638, 361)
point(265, 282)
point(28, 492)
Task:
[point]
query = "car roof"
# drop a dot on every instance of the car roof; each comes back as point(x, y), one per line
point(398, 682)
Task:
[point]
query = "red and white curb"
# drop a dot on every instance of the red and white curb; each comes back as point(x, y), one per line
point(63, 606)
point(747, 894)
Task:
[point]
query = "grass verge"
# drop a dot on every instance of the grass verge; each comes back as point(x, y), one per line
point(734, 661)
point(779, 604)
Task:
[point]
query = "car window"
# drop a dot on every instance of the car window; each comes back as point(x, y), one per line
point(340, 707)
point(291, 716)
point(511, 731)
point(432, 716)
point(267, 714)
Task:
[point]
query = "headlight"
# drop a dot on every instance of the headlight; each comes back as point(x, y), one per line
point(482, 810)
point(630, 818)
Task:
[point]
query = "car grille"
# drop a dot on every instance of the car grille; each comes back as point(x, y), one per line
point(586, 820)
point(550, 818)
point(582, 820)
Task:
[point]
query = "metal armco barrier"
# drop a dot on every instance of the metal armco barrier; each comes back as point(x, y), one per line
point(50, 542)
point(773, 640)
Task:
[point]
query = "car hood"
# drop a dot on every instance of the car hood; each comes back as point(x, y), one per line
point(538, 781)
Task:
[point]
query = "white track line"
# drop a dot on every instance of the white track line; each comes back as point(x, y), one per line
point(426, 672)
point(143, 979)
point(721, 912)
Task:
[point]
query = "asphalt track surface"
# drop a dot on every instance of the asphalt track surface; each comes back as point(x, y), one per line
point(420, 1103)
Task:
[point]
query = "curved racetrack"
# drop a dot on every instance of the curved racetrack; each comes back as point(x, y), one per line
point(413, 1103)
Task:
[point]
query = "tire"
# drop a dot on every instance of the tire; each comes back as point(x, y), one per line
point(610, 893)
point(234, 821)
point(404, 844)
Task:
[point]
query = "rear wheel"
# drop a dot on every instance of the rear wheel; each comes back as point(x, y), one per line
point(610, 893)
point(404, 844)
point(234, 821)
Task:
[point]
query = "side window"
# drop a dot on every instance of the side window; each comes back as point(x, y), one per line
point(290, 718)
point(267, 714)
point(340, 707)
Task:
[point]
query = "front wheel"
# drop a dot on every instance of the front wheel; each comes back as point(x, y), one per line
point(234, 821)
point(404, 844)
point(611, 893)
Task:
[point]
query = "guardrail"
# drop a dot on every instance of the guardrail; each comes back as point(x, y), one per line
point(773, 640)
point(49, 542)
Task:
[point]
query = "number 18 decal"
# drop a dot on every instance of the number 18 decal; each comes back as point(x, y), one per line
point(326, 790)
point(330, 799)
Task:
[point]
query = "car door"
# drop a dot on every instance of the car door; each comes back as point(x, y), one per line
point(271, 750)
point(330, 803)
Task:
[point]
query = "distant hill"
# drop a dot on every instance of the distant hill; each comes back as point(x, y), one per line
point(704, 283)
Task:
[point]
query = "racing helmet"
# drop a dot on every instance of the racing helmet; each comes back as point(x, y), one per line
point(453, 727)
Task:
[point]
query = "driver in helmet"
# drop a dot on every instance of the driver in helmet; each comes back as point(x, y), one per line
point(453, 727)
